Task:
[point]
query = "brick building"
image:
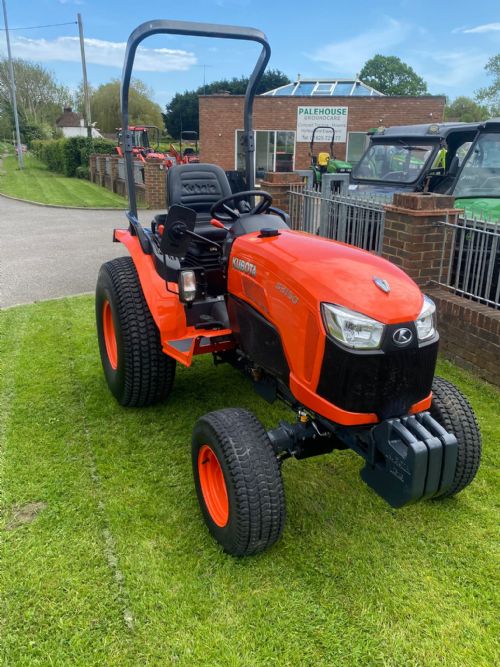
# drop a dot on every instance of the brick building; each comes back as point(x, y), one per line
point(284, 118)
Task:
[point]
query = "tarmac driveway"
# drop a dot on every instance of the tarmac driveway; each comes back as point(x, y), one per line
point(47, 253)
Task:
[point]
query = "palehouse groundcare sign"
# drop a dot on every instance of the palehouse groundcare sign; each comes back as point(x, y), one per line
point(310, 117)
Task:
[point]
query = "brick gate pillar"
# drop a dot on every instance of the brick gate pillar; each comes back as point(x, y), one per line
point(278, 184)
point(412, 239)
point(155, 183)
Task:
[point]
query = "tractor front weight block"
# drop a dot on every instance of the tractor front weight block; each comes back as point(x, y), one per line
point(409, 459)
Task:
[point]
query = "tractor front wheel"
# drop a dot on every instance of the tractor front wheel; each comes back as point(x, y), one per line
point(238, 481)
point(452, 410)
point(136, 369)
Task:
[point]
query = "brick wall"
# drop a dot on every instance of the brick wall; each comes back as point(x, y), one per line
point(222, 115)
point(470, 334)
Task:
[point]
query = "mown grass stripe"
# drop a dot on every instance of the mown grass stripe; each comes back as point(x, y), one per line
point(352, 581)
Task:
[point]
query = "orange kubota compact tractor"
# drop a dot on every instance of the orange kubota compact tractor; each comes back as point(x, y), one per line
point(342, 336)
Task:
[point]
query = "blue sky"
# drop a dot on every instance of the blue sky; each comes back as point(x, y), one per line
point(448, 43)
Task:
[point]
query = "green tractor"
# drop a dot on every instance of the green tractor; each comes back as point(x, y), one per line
point(326, 163)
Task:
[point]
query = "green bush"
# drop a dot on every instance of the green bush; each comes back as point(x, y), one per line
point(82, 172)
point(67, 155)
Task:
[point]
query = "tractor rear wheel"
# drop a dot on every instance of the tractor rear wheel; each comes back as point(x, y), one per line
point(452, 410)
point(238, 481)
point(136, 369)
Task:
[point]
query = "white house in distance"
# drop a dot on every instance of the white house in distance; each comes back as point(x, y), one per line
point(72, 124)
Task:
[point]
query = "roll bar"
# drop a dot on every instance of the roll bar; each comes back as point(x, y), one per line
point(161, 26)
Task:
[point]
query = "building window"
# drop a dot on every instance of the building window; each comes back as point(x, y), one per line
point(274, 151)
point(356, 146)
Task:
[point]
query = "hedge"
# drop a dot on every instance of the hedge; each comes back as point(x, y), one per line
point(66, 155)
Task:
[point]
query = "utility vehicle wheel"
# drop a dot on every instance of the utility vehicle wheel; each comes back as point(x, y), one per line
point(238, 481)
point(137, 371)
point(452, 410)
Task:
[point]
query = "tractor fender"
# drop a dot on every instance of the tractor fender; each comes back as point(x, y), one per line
point(162, 298)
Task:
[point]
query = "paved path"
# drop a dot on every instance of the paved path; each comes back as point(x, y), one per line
point(47, 253)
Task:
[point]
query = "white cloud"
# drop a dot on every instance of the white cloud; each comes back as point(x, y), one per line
point(102, 52)
point(351, 54)
point(487, 27)
point(449, 69)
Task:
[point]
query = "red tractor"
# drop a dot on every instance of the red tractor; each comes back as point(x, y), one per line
point(343, 337)
point(142, 150)
point(189, 155)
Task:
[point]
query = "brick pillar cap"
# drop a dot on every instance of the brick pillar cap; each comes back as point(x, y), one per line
point(421, 201)
point(281, 178)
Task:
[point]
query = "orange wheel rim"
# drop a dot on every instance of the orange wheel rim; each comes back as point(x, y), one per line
point(213, 486)
point(109, 335)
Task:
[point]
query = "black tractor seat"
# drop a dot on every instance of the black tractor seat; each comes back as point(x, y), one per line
point(199, 186)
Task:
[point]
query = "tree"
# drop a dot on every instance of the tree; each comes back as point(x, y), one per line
point(40, 97)
point(182, 111)
point(464, 109)
point(105, 106)
point(391, 76)
point(491, 94)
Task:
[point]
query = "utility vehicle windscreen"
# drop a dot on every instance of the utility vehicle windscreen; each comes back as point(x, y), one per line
point(480, 176)
point(400, 162)
point(139, 138)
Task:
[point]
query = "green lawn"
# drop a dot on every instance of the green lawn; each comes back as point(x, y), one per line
point(36, 183)
point(117, 568)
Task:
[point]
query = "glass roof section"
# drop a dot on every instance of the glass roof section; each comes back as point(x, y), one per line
point(326, 88)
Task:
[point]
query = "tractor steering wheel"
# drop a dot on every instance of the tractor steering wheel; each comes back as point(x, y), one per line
point(224, 213)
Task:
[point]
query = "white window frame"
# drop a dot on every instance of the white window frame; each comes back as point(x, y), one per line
point(255, 143)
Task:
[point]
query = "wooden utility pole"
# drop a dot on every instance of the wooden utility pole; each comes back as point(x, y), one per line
point(86, 98)
point(13, 91)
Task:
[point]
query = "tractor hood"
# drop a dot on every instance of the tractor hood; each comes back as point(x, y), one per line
point(314, 270)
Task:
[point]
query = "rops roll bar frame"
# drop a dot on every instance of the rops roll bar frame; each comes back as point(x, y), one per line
point(197, 30)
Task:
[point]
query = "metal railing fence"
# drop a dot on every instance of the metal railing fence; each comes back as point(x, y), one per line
point(357, 220)
point(470, 259)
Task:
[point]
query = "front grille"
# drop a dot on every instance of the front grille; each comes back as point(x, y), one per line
point(387, 383)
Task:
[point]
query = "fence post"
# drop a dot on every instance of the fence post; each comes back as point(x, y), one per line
point(113, 171)
point(101, 169)
point(412, 239)
point(92, 168)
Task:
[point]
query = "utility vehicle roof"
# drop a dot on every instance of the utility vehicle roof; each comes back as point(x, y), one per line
point(490, 124)
point(426, 130)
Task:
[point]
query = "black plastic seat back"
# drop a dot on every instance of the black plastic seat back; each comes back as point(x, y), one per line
point(197, 186)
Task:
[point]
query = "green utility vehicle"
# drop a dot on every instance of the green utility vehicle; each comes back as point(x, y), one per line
point(477, 186)
point(413, 158)
point(326, 162)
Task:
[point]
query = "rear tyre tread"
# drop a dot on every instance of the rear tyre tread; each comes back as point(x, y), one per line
point(147, 374)
point(253, 477)
point(453, 411)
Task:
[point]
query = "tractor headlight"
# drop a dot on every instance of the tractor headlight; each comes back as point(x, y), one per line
point(187, 285)
point(426, 321)
point(352, 329)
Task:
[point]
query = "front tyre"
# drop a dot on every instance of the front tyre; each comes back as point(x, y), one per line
point(137, 371)
point(452, 410)
point(238, 481)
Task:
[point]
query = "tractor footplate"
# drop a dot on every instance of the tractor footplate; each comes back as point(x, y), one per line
point(410, 458)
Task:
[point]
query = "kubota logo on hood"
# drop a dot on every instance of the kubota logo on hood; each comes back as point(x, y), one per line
point(245, 267)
